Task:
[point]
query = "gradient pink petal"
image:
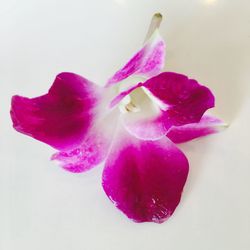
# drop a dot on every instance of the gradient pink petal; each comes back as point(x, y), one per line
point(89, 154)
point(185, 99)
point(207, 125)
point(145, 179)
point(147, 62)
point(94, 147)
point(60, 118)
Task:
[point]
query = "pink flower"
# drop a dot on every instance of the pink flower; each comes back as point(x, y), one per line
point(132, 124)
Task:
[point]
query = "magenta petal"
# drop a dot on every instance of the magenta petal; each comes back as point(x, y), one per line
point(147, 62)
point(94, 147)
point(185, 99)
point(90, 153)
point(60, 118)
point(145, 179)
point(207, 125)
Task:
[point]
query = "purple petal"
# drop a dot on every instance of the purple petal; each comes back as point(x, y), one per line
point(207, 125)
point(185, 99)
point(93, 149)
point(89, 154)
point(145, 179)
point(147, 62)
point(60, 118)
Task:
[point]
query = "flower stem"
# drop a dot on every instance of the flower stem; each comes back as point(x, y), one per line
point(155, 24)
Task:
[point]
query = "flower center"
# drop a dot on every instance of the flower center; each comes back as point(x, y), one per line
point(127, 104)
point(130, 107)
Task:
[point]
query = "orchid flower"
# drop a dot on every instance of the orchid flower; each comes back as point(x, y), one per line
point(132, 124)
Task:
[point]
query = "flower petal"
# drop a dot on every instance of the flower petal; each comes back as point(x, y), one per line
point(93, 149)
point(147, 62)
point(83, 158)
point(61, 117)
point(145, 179)
point(207, 125)
point(185, 99)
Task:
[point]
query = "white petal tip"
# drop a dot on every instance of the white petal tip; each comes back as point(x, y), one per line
point(222, 126)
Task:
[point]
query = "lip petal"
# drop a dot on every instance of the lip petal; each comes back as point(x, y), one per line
point(145, 179)
point(62, 117)
point(147, 62)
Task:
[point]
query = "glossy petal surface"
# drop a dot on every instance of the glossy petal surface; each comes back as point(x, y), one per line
point(185, 99)
point(147, 62)
point(61, 117)
point(93, 149)
point(145, 179)
point(207, 125)
point(90, 153)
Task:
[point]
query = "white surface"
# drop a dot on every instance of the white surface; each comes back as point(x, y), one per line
point(44, 207)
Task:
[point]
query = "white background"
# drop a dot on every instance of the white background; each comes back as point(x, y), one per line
point(42, 206)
